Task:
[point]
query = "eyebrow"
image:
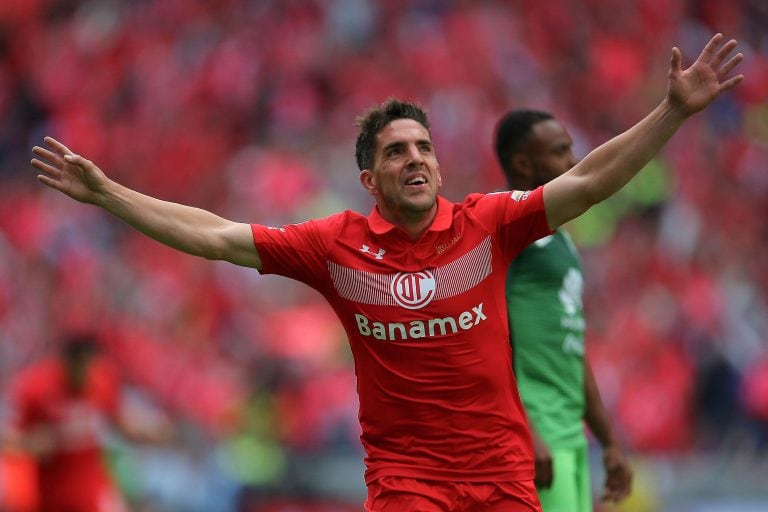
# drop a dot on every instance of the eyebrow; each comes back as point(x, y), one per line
point(392, 145)
point(399, 143)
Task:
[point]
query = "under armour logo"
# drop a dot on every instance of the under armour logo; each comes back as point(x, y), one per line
point(379, 255)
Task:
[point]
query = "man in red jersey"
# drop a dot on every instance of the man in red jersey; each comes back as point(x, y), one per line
point(419, 287)
point(62, 409)
point(63, 406)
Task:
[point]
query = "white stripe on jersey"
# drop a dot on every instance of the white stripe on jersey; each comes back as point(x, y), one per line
point(455, 278)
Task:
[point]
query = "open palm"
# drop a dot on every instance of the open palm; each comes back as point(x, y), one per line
point(692, 89)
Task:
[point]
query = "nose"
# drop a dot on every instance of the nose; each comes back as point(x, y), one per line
point(414, 155)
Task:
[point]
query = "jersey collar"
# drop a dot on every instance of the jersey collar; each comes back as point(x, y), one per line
point(443, 219)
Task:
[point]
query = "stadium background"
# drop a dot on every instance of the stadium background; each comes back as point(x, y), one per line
point(247, 107)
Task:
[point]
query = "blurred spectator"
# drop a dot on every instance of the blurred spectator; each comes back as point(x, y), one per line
point(62, 409)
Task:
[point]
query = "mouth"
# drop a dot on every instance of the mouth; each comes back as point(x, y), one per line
point(416, 181)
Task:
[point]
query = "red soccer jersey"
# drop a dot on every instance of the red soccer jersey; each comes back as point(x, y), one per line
point(427, 324)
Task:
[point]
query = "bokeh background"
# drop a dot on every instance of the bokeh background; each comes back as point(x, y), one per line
point(247, 108)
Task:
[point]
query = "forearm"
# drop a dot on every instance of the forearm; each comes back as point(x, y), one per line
point(618, 473)
point(595, 413)
point(610, 166)
point(185, 228)
point(616, 162)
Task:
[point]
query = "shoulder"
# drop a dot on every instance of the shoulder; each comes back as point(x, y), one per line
point(342, 222)
point(38, 378)
point(502, 197)
point(477, 201)
point(330, 225)
point(503, 204)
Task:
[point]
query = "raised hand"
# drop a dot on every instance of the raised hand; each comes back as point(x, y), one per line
point(67, 172)
point(692, 89)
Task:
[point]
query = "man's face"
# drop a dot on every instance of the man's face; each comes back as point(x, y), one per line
point(549, 150)
point(406, 176)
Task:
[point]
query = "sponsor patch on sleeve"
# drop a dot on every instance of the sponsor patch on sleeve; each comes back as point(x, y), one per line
point(520, 195)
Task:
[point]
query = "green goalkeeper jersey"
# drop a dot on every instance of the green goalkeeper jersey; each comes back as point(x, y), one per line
point(546, 321)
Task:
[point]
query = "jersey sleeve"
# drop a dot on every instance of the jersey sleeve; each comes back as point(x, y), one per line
point(519, 218)
point(296, 251)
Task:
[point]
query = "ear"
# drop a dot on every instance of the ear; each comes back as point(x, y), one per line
point(523, 167)
point(368, 181)
point(439, 178)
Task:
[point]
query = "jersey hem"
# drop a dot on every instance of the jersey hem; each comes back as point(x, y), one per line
point(449, 475)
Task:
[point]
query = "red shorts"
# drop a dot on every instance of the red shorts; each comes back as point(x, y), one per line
point(395, 494)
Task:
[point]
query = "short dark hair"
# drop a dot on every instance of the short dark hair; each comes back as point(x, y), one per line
point(513, 128)
point(375, 119)
point(79, 346)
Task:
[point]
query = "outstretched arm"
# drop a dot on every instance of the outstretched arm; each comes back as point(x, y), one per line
point(191, 230)
point(618, 474)
point(610, 166)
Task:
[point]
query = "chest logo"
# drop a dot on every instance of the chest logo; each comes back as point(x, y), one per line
point(413, 290)
point(378, 255)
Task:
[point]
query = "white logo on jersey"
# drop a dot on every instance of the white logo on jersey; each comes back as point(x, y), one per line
point(367, 250)
point(413, 290)
point(570, 293)
point(570, 298)
point(415, 329)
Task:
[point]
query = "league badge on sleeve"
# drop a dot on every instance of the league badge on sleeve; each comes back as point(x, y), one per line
point(520, 195)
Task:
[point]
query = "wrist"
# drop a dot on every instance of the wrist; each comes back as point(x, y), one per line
point(674, 111)
point(108, 195)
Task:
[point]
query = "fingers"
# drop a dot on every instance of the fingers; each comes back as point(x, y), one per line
point(731, 83)
point(615, 495)
point(728, 67)
point(46, 168)
point(716, 59)
point(722, 53)
point(709, 48)
point(618, 484)
point(45, 180)
point(675, 62)
point(47, 155)
point(58, 159)
point(617, 490)
point(60, 148)
point(79, 161)
point(52, 163)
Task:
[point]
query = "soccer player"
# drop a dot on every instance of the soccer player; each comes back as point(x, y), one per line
point(546, 323)
point(419, 287)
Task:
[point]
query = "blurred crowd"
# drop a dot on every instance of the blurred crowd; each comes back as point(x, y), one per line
point(247, 108)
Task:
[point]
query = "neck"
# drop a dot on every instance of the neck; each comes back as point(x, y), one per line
point(413, 223)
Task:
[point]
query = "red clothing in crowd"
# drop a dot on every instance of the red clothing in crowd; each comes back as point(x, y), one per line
point(427, 324)
point(73, 476)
